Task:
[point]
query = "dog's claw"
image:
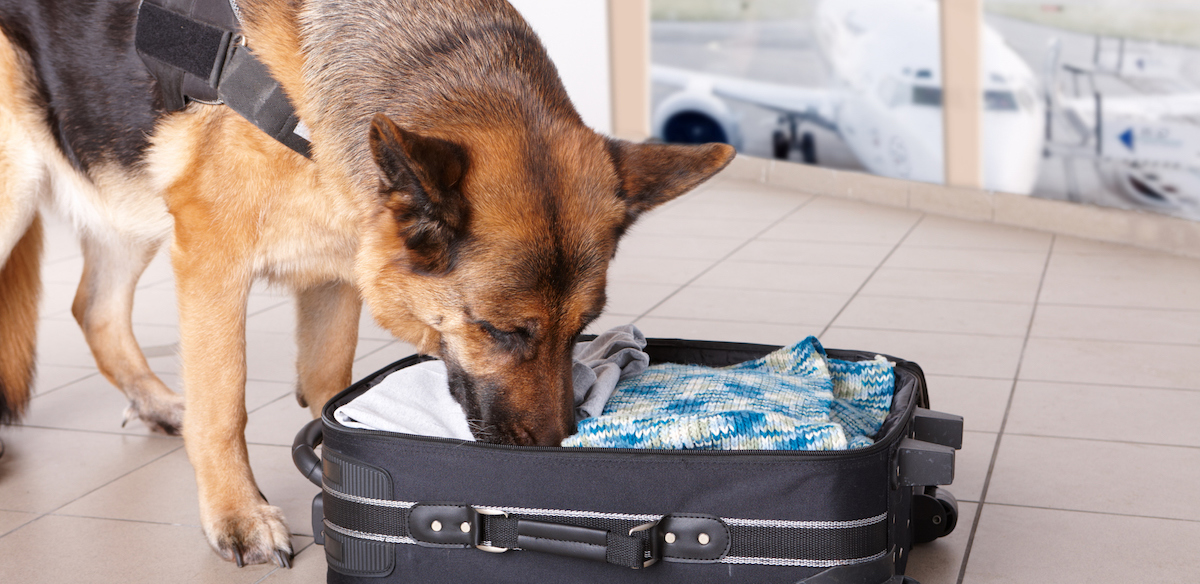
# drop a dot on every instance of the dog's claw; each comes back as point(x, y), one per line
point(237, 556)
point(285, 560)
point(130, 414)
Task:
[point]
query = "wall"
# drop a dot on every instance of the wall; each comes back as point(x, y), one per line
point(576, 34)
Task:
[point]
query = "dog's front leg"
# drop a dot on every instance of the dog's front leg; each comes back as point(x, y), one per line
point(212, 284)
point(326, 335)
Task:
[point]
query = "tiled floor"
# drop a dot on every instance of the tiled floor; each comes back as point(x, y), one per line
point(1076, 365)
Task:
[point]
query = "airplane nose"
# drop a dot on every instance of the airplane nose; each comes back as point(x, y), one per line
point(1012, 151)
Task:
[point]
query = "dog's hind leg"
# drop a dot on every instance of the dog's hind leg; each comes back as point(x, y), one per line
point(20, 285)
point(103, 307)
point(326, 336)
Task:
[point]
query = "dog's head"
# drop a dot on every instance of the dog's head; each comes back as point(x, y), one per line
point(492, 255)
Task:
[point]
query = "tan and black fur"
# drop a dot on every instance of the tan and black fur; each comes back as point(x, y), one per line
point(452, 187)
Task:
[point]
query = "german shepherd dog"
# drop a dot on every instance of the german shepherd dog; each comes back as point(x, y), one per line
point(452, 186)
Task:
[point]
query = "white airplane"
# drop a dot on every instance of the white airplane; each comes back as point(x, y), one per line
point(886, 102)
point(1144, 147)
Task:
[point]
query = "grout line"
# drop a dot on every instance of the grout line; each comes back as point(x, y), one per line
point(874, 271)
point(1105, 440)
point(42, 393)
point(1107, 385)
point(718, 262)
point(919, 331)
point(987, 481)
point(152, 435)
point(115, 479)
point(33, 517)
point(1089, 512)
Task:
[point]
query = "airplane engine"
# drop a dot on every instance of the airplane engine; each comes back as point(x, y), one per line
point(696, 117)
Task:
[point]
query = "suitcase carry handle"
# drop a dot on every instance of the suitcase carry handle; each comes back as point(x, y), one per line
point(304, 452)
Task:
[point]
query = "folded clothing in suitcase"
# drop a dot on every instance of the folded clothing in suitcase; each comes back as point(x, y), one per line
point(405, 508)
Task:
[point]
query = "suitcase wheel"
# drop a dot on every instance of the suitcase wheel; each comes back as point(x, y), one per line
point(934, 514)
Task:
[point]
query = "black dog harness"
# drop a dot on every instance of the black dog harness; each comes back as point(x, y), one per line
point(196, 52)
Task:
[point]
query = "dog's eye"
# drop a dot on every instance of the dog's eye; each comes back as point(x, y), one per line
point(511, 340)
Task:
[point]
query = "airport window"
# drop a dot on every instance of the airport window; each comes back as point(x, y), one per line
point(927, 95)
point(999, 101)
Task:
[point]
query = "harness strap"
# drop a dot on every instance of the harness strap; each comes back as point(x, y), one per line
point(197, 57)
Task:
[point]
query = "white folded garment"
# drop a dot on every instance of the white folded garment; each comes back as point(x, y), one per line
point(417, 400)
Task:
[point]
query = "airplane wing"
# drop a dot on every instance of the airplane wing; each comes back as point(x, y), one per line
point(1141, 128)
point(816, 105)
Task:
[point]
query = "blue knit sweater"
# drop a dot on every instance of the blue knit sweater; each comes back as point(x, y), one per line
point(795, 398)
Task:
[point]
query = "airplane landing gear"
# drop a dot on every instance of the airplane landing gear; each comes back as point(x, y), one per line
point(784, 139)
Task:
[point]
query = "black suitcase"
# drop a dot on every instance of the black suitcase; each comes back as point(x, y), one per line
point(404, 508)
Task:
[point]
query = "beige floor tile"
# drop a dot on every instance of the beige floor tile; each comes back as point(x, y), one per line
point(272, 356)
point(954, 285)
point(1101, 477)
point(724, 330)
point(729, 207)
point(386, 354)
point(159, 272)
point(981, 402)
point(94, 404)
point(670, 225)
point(165, 491)
point(938, 353)
point(308, 567)
point(1128, 414)
point(52, 377)
point(1015, 545)
point(753, 306)
point(968, 260)
point(56, 299)
point(1069, 244)
point(813, 253)
point(60, 342)
point(369, 329)
point(63, 270)
point(971, 465)
point(837, 210)
point(59, 240)
point(746, 194)
point(609, 320)
point(785, 277)
point(157, 305)
point(277, 422)
point(1139, 325)
point(793, 229)
point(43, 469)
point(1120, 290)
point(100, 551)
point(674, 246)
point(636, 298)
point(938, 561)
point(936, 315)
point(1148, 265)
point(1112, 363)
point(10, 520)
point(655, 270)
point(935, 231)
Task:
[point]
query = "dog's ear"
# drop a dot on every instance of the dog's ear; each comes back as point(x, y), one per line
point(420, 184)
point(652, 174)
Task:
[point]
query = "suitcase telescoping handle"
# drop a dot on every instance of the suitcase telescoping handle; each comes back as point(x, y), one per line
point(304, 452)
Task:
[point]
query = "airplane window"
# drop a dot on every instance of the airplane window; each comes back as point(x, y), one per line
point(995, 100)
point(927, 95)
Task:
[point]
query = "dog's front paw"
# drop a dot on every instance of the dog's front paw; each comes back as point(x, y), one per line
point(253, 535)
